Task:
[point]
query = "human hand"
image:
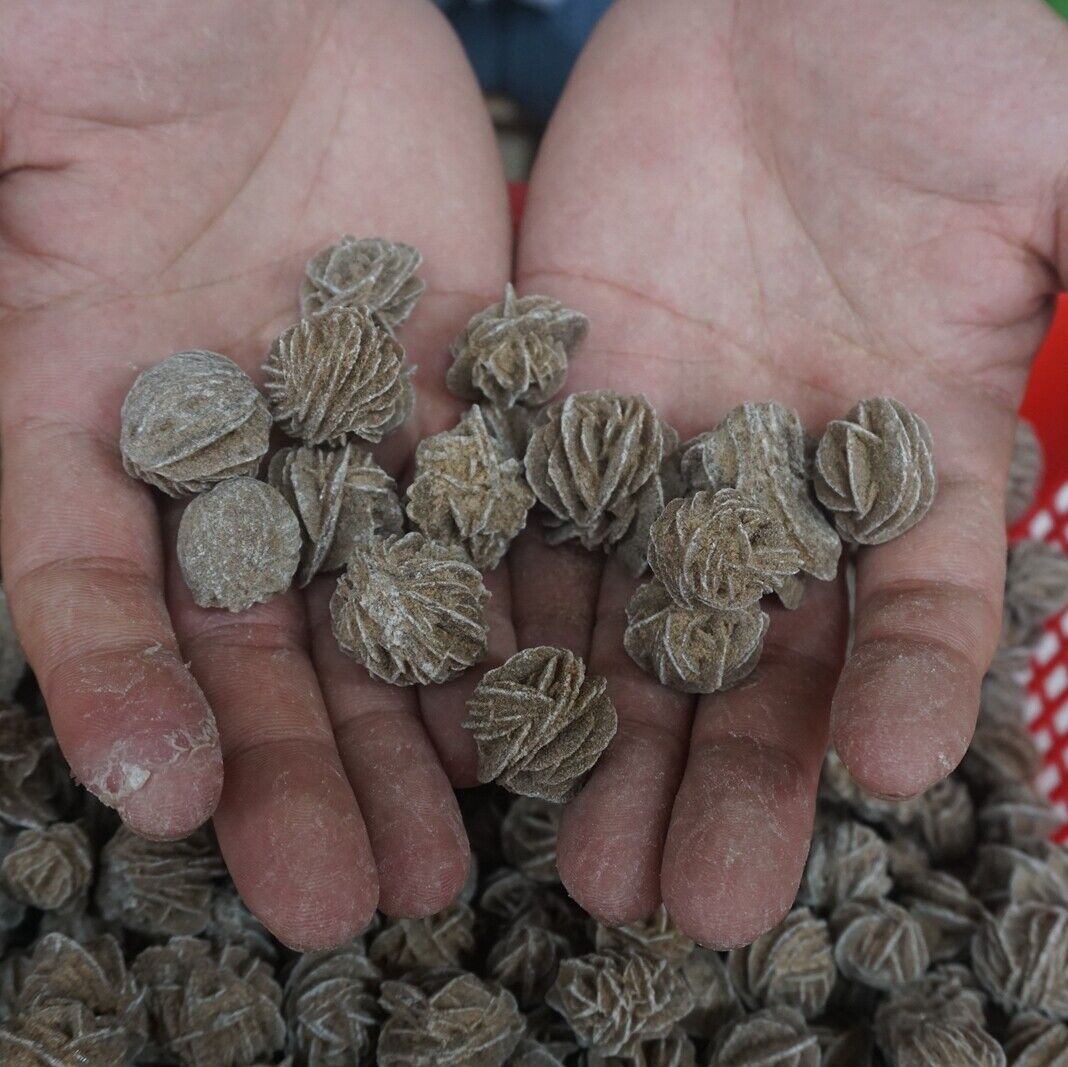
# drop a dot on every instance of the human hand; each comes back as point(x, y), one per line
point(165, 171)
point(814, 203)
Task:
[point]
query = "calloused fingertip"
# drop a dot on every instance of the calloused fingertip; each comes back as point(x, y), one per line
point(903, 715)
point(598, 871)
point(724, 925)
point(177, 797)
point(413, 886)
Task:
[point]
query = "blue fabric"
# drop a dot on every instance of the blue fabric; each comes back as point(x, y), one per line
point(524, 48)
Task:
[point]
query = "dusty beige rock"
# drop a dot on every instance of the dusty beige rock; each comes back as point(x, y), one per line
point(539, 723)
point(465, 1023)
point(510, 427)
point(192, 420)
point(65, 1033)
point(232, 923)
point(525, 961)
point(1021, 959)
point(515, 351)
point(238, 545)
point(371, 272)
point(12, 658)
point(656, 936)
point(947, 913)
point(878, 944)
point(341, 495)
point(211, 1009)
point(874, 470)
point(467, 492)
point(1002, 752)
point(410, 610)
point(158, 888)
point(847, 861)
point(50, 868)
point(715, 1000)
point(338, 374)
point(946, 821)
point(673, 1050)
point(1017, 815)
point(614, 1001)
point(760, 449)
point(1036, 587)
point(773, 1037)
point(68, 999)
point(719, 550)
point(948, 993)
point(331, 1006)
point(27, 745)
point(694, 650)
point(594, 462)
point(1004, 875)
point(1025, 473)
point(528, 838)
point(444, 939)
point(936, 1043)
point(1035, 1041)
point(791, 965)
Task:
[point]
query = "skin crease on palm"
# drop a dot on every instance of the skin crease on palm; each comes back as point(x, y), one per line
point(811, 202)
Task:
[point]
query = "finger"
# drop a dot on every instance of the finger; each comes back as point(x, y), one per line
point(928, 615)
point(288, 823)
point(412, 817)
point(743, 817)
point(83, 573)
point(611, 835)
point(554, 591)
point(444, 707)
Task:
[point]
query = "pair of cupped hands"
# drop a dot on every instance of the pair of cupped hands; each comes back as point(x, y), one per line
point(812, 202)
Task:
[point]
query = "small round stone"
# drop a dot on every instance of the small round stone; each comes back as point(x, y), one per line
point(341, 495)
point(238, 545)
point(370, 272)
point(540, 723)
point(875, 471)
point(336, 374)
point(515, 351)
point(694, 650)
point(410, 610)
point(720, 550)
point(192, 420)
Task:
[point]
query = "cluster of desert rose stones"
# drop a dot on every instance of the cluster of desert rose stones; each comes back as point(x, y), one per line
point(751, 508)
point(931, 932)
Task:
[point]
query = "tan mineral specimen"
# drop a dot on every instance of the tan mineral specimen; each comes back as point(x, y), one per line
point(762, 451)
point(341, 495)
point(371, 272)
point(410, 610)
point(467, 492)
point(465, 1023)
point(192, 420)
point(720, 550)
point(616, 1000)
point(875, 471)
point(238, 545)
point(338, 374)
point(515, 351)
point(694, 650)
point(540, 724)
point(596, 462)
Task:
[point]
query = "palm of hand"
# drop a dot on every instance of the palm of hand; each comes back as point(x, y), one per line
point(735, 228)
point(169, 202)
point(814, 205)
